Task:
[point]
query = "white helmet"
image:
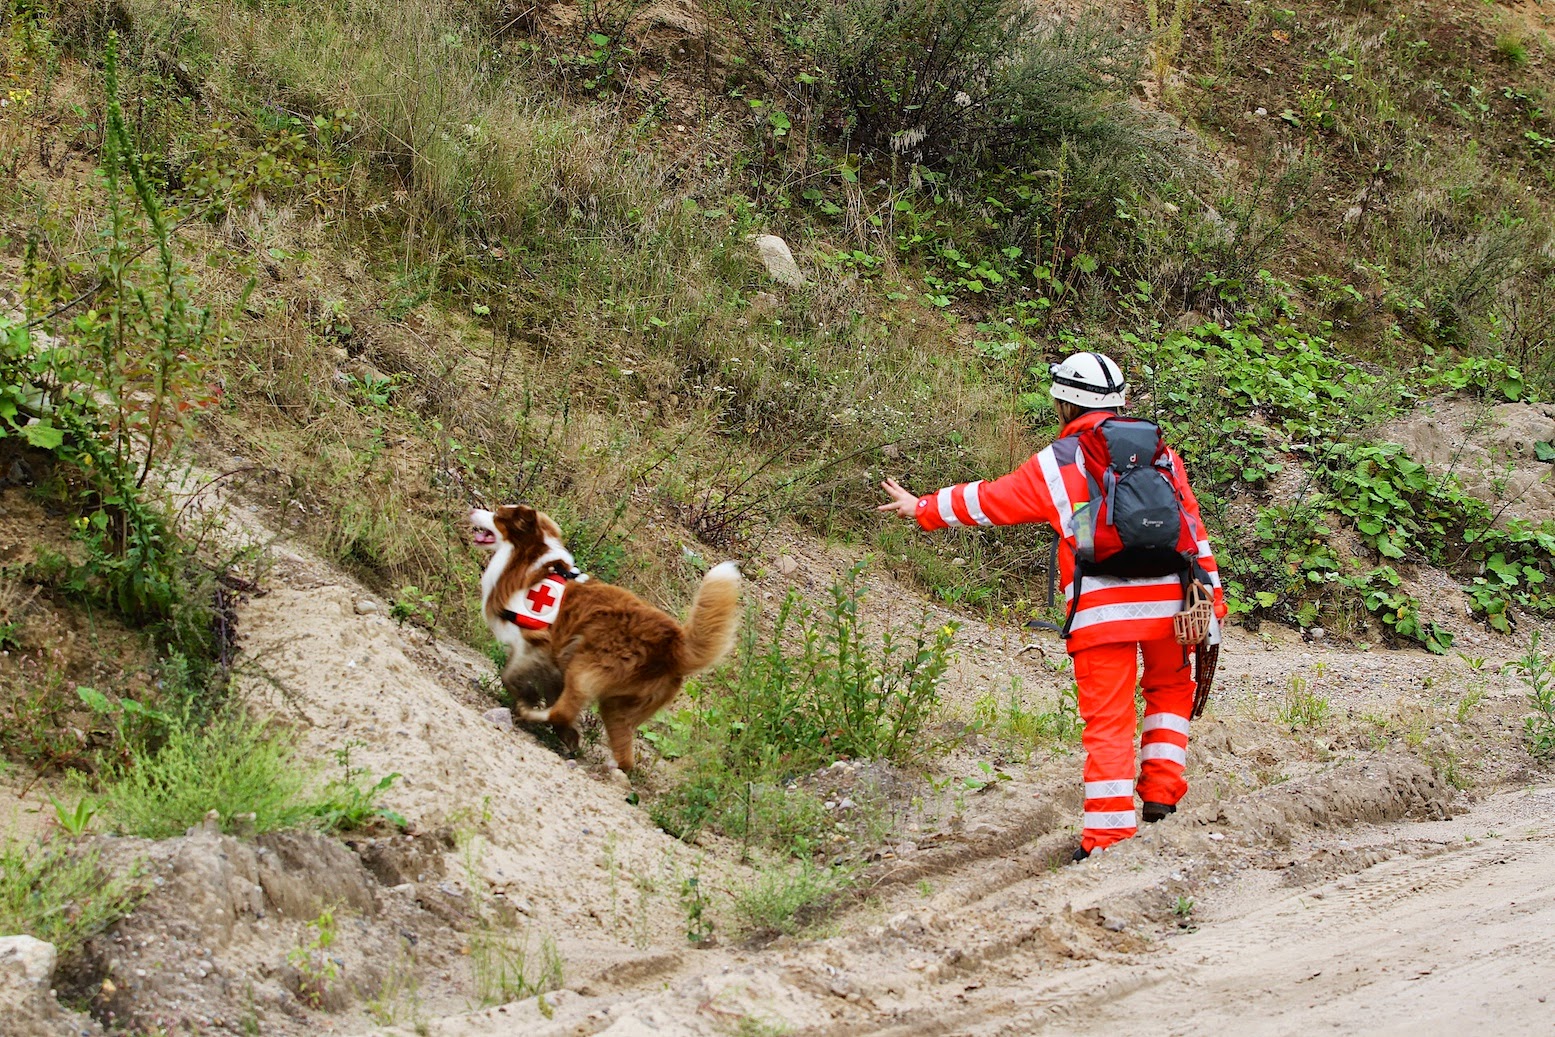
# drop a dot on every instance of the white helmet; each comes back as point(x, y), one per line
point(1089, 380)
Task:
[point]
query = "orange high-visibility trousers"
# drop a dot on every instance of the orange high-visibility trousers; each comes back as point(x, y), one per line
point(1106, 675)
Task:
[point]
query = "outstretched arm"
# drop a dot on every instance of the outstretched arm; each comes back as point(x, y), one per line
point(1021, 496)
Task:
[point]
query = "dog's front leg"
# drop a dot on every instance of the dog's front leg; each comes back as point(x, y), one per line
point(532, 679)
point(577, 693)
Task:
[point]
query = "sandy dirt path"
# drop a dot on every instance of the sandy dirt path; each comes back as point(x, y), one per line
point(1445, 939)
point(1450, 926)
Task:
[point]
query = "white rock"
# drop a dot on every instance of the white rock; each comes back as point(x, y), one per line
point(366, 607)
point(779, 261)
point(501, 716)
point(786, 565)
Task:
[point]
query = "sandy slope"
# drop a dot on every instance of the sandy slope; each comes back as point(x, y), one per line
point(1453, 931)
point(1335, 893)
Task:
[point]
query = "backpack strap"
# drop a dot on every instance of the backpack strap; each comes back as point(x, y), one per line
point(1074, 602)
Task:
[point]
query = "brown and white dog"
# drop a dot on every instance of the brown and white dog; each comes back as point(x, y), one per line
point(573, 641)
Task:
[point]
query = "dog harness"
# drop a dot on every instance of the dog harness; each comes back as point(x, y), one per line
point(540, 604)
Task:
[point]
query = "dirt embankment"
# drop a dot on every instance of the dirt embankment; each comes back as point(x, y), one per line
point(966, 922)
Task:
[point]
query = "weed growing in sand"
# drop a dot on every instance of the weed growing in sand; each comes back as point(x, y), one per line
point(788, 899)
point(507, 962)
point(316, 968)
point(1469, 703)
point(234, 765)
point(1028, 728)
point(349, 802)
point(399, 995)
point(755, 1026)
point(1303, 707)
point(699, 927)
point(510, 966)
point(1537, 670)
point(1183, 908)
point(51, 892)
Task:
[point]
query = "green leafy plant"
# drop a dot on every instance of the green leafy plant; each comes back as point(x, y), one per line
point(1536, 668)
point(1303, 706)
point(699, 927)
point(77, 819)
point(230, 763)
point(814, 689)
point(1013, 721)
point(411, 605)
point(987, 776)
point(316, 967)
point(349, 802)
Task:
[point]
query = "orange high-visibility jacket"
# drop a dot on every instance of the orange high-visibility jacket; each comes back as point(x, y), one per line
point(1047, 488)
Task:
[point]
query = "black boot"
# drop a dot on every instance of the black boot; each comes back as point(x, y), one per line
point(1154, 812)
point(1079, 855)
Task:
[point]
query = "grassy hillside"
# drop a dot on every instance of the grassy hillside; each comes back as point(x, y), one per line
point(374, 262)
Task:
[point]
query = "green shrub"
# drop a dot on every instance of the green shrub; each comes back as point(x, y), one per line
point(1303, 707)
point(815, 689)
point(1537, 670)
point(1030, 729)
point(969, 82)
point(820, 689)
point(234, 764)
point(59, 894)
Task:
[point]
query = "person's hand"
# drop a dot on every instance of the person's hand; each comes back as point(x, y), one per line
point(903, 502)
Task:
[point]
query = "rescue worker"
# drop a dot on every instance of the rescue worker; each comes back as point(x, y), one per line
point(1114, 620)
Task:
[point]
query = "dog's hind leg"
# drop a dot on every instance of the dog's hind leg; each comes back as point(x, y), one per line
point(620, 731)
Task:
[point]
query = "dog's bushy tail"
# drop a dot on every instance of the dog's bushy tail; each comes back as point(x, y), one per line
point(714, 620)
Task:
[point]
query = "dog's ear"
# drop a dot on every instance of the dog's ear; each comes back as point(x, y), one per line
point(516, 521)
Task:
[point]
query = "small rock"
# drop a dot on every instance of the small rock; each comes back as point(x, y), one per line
point(366, 607)
point(1261, 111)
point(28, 960)
point(779, 261)
point(846, 803)
point(958, 561)
point(502, 717)
point(786, 565)
point(1317, 633)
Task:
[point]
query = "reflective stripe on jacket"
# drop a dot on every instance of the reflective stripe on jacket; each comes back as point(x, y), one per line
point(1047, 488)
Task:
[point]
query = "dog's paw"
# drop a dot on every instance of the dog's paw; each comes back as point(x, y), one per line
point(535, 716)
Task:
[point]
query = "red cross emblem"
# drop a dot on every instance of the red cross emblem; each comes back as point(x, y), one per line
point(538, 606)
point(541, 598)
